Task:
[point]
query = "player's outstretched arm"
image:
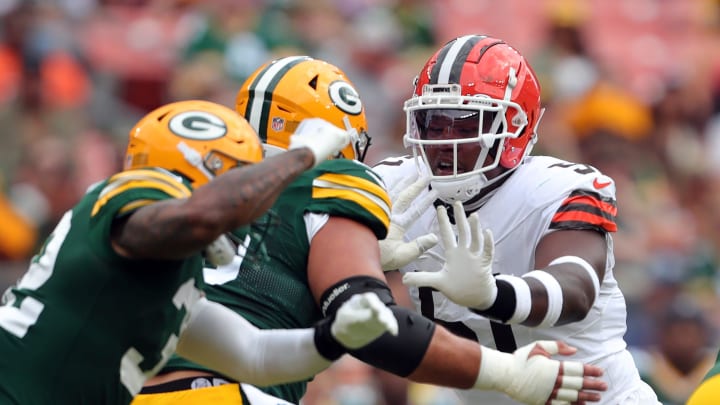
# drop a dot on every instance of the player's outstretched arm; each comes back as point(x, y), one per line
point(395, 253)
point(174, 229)
point(222, 340)
point(563, 291)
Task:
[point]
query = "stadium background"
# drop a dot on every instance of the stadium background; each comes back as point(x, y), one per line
point(632, 87)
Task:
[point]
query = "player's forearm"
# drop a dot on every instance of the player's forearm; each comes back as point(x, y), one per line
point(578, 295)
point(241, 196)
point(174, 229)
point(421, 350)
point(450, 361)
point(222, 340)
point(562, 293)
point(286, 355)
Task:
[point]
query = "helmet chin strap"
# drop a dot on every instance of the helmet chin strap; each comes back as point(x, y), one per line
point(451, 190)
point(463, 190)
point(194, 159)
point(271, 150)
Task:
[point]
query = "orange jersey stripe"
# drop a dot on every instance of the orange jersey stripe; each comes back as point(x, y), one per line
point(584, 217)
point(586, 210)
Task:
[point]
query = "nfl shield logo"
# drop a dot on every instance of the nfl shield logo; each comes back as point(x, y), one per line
point(278, 124)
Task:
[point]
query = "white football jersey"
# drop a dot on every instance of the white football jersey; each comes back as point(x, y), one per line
point(544, 194)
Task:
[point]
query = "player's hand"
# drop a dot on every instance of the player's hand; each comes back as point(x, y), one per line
point(467, 277)
point(324, 139)
point(530, 376)
point(394, 251)
point(362, 319)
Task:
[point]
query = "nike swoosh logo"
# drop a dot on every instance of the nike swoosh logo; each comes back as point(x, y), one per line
point(598, 185)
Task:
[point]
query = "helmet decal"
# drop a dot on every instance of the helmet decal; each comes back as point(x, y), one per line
point(278, 124)
point(345, 97)
point(257, 111)
point(198, 125)
point(451, 60)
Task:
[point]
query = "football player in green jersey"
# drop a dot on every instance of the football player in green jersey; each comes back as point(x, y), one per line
point(116, 288)
point(321, 249)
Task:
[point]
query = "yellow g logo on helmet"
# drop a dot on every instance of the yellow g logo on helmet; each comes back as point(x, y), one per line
point(345, 97)
point(196, 139)
point(200, 125)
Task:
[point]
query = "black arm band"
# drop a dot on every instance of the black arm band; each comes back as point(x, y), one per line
point(399, 354)
point(332, 299)
point(504, 306)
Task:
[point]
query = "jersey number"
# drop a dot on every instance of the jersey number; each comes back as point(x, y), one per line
point(579, 168)
point(17, 319)
point(132, 375)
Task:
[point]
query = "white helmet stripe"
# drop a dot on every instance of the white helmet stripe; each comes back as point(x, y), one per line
point(449, 61)
point(263, 87)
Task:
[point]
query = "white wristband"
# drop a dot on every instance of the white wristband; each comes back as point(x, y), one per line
point(523, 299)
point(554, 293)
point(585, 265)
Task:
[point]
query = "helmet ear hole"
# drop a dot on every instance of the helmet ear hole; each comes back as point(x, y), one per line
point(313, 82)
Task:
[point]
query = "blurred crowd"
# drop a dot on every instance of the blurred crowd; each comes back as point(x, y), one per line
point(630, 87)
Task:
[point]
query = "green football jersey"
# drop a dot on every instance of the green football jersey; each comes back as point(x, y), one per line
point(85, 325)
point(269, 287)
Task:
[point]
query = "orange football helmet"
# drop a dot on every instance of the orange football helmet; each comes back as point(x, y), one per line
point(484, 90)
point(281, 93)
point(196, 139)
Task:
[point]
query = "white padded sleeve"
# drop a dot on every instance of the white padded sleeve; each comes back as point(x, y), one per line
point(222, 340)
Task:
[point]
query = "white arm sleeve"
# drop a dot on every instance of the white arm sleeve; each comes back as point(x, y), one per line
point(218, 338)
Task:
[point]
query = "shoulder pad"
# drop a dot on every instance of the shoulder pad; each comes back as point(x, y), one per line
point(148, 185)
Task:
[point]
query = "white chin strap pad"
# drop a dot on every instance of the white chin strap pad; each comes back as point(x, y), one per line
point(451, 190)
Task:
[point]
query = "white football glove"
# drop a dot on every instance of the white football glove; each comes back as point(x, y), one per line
point(362, 319)
point(394, 251)
point(467, 277)
point(530, 379)
point(324, 139)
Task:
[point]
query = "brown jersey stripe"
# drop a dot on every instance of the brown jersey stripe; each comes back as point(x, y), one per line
point(592, 199)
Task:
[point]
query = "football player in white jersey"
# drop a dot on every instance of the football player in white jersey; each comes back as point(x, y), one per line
point(534, 260)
